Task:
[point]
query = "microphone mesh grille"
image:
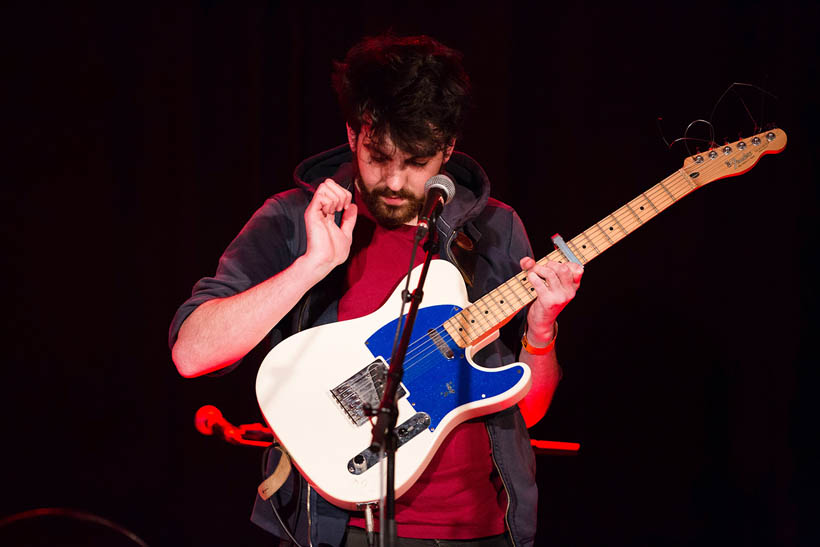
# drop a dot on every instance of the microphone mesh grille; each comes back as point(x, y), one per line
point(444, 182)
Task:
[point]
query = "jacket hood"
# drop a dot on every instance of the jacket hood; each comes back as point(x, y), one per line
point(472, 184)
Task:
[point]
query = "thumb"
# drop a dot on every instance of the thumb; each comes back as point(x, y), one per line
point(349, 220)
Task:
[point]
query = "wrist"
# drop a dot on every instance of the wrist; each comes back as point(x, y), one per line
point(312, 270)
point(541, 337)
point(535, 346)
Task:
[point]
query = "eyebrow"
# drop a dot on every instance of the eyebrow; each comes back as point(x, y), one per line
point(374, 149)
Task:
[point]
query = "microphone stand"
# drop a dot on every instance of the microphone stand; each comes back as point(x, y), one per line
point(384, 435)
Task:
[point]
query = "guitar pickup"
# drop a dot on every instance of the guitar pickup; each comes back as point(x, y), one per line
point(366, 459)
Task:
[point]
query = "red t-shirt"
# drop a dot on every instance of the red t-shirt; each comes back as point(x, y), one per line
point(459, 495)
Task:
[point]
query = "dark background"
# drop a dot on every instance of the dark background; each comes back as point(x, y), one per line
point(140, 139)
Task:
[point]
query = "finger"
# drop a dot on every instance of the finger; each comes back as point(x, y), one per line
point(563, 271)
point(541, 289)
point(551, 279)
point(349, 220)
point(577, 274)
point(341, 195)
point(569, 273)
point(548, 274)
point(319, 202)
point(328, 199)
point(527, 262)
point(330, 191)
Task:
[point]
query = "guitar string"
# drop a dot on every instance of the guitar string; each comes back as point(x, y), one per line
point(425, 342)
point(660, 196)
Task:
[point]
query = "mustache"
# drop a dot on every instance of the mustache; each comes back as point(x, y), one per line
point(388, 193)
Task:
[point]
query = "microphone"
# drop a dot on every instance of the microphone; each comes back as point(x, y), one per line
point(439, 190)
point(209, 420)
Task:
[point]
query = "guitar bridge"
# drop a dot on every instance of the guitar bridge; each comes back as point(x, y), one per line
point(366, 387)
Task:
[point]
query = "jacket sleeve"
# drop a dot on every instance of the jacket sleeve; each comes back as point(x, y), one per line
point(502, 245)
point(271, 240)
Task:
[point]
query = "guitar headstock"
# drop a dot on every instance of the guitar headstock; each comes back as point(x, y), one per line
point(734, 158)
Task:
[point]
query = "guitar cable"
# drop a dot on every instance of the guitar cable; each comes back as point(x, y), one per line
point(265, 458)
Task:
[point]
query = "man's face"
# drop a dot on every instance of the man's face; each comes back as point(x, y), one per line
point(390, 180)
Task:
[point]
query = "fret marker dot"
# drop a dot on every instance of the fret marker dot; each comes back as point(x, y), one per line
point(641, 207)
point(460, 329)
point(611, 228)
point(532, 288)
point(500, 301)
point(472, 320)
point(486, 312)
point(583, 246)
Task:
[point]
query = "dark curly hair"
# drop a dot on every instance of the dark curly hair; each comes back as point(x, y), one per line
point(412, 89)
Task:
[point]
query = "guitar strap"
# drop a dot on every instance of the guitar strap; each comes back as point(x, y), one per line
point(274, 482)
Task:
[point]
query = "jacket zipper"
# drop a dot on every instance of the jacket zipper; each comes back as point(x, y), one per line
point(503, 483)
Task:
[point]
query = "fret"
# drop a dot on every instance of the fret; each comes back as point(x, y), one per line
point(464, 327)
point(627, 219)
point(679, 186)
point(475, 316)
point(598, 225)
point(624, 230)
point(491, 309)
point(554, 255)
point(509, 294)
point(586, 235)
point(650, 202)
point(456, 332)
point(631, 210)
point(498, 301)
point(665, 189)
point(688, 179)
point(487, 316)
point(580, 254)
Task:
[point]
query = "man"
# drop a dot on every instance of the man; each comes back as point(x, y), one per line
point(337, 246)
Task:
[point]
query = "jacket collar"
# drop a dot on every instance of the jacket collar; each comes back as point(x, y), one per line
point(472, 184)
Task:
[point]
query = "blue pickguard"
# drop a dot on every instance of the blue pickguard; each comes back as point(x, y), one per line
point(437, 385)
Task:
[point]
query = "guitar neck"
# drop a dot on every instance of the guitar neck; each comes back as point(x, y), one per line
point(499, 305)
point(614, 227)
point(490, 312)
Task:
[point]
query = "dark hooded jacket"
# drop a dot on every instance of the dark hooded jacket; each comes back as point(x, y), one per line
point(483, 237)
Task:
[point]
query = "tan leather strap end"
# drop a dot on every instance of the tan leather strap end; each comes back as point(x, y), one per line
point(273, 483)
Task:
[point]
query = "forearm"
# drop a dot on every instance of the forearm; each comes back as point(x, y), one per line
point(222, 331)
point(546, 373)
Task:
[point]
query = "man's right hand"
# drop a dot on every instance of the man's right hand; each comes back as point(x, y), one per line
point(328, 244)
point(221, 331)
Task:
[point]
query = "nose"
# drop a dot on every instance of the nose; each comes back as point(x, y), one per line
point(394, 178)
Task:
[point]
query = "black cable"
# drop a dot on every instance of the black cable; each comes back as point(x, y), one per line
point(282, 524)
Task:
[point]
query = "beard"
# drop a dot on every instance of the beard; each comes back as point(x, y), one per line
point(391, 216)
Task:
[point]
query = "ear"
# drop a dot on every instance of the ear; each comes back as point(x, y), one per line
point(449, 150)
point(352, 137)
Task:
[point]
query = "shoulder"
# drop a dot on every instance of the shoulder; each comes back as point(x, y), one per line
point(499, 215)
point(496, 204)
point(287, 206)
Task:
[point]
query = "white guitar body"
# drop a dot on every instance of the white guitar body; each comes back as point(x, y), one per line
point(321, 429)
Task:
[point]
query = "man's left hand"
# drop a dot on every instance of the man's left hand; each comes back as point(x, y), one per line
point(555, 285)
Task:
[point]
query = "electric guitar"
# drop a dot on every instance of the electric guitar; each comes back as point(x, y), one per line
point(312, 388)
